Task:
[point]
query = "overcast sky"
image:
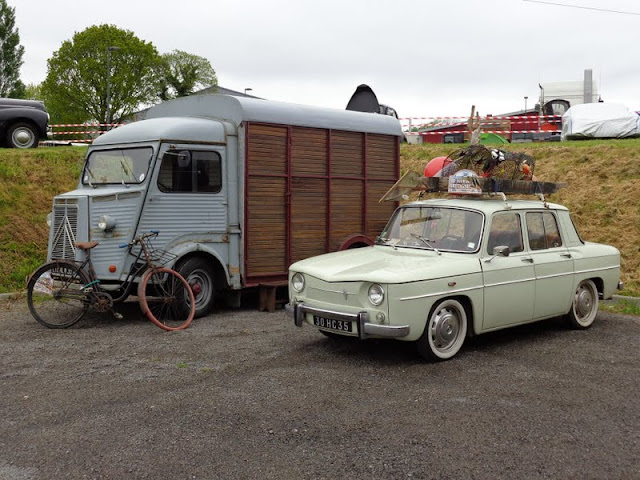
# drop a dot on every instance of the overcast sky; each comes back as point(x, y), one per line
point(422, 57)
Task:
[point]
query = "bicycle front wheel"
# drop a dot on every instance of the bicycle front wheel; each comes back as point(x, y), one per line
point(166, 299)
point(55, 294)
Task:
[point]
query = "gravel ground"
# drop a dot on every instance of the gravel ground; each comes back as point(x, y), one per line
point(243, 394)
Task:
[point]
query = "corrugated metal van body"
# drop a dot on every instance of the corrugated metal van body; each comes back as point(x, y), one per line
point(310, 191)
point(125, 207)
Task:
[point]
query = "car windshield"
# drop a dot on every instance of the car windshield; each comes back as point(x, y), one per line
point(435, 228)
point(129, 165)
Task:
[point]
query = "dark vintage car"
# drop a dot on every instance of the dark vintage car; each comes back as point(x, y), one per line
point(22, 123)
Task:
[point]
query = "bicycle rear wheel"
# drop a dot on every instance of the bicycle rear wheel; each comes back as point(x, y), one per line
point(55, 294)
point(166, 299)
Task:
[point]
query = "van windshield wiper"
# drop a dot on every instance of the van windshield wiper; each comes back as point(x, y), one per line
point(90, 176)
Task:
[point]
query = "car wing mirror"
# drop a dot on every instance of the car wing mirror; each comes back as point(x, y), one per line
point(499, 251)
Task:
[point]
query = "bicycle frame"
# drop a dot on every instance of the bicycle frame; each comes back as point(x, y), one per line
point(94, 282)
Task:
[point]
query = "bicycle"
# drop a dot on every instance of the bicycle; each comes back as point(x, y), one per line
point(61, 292)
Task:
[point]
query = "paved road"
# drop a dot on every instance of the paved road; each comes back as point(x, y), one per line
point(243, 394)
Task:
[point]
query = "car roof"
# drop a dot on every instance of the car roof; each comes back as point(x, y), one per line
point(488, 205)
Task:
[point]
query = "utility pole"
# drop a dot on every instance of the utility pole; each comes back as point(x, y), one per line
point(109, 50)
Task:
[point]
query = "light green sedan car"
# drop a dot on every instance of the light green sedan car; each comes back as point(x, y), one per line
point(446, 269)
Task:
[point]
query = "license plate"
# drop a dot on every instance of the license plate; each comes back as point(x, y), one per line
point(331, 324)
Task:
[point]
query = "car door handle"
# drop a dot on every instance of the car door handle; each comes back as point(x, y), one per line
point(528, 260)
point(565, 255)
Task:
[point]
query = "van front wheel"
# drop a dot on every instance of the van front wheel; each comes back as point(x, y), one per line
point(200, 277)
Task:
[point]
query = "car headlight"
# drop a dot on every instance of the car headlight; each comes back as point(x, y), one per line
point(106, 223)
point(49, 218)
point(297, 282)
point(376, 294)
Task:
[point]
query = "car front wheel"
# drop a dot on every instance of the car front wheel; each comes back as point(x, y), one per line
point(445, 331)
point(585, 305)
point(22, 135)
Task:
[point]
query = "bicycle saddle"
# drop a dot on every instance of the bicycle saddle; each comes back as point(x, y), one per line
point(86, 245)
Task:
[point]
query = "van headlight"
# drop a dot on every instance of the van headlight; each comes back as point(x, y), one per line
point(376, 294)
point(49, 218)
point(106, 223)
point(297, 282)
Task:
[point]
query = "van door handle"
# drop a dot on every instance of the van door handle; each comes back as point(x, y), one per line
point(528, 260)
point(565, 255)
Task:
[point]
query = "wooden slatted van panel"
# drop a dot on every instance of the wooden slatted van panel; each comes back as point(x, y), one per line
point(309, 192)
point(347, 154)
point(266, 208)
point(378, 213)
point(308, 151)
point(308, 217)
point(382, 173)
point(381, 157)
point(346, 210)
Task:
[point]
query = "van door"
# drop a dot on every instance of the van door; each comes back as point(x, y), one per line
point(187, 199)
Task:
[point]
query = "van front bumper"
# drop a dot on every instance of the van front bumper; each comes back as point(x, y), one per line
point(298, 311)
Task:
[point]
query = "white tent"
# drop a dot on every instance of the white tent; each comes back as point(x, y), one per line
point(600, 120)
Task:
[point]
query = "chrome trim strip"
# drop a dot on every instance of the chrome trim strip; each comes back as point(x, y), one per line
point(341, 292)
point(524, 280)
point(447, 292)
point(596, 269)
point(554, 275)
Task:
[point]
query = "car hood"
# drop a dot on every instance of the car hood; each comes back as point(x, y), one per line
point(384, 264)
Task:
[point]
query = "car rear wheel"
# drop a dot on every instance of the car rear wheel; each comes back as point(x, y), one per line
point(22, 135)
point(585, 305)
point(445, 331)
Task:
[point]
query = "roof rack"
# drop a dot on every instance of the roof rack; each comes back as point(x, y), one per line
point(468, 185)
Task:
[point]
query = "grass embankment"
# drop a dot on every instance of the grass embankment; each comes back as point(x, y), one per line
point(603, 195)
point(603, 191)
point(28, 182)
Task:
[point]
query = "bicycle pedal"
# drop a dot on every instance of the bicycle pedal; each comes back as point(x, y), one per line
point(118, 316)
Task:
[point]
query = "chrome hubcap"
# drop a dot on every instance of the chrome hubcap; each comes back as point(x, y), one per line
point(445, 329)
point(584, 302)
point(23, 138)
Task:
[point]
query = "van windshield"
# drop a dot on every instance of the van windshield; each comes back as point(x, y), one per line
point(434, 228)
point(127, 165)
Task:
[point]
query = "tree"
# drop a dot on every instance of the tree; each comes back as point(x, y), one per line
point(11, 53)
point(33, 91)
point(75, 89)
point(184, 73)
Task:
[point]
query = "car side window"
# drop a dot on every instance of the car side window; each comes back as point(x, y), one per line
point(190, 171)
point(505, 231)
point(542, 231)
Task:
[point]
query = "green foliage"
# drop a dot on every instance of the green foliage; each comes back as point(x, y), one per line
point(33, 91)
point(75, 89)
point(11, 53)
point(184, 73)
point(622, 306)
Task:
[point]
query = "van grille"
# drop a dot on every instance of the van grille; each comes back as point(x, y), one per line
point(65, 228)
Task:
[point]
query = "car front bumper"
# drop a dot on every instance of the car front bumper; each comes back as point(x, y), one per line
point(298, 311)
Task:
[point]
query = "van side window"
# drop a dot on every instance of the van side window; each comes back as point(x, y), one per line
point(505, 231)
point(190, 171)
point(542, 230)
